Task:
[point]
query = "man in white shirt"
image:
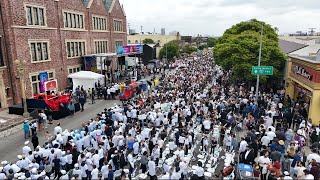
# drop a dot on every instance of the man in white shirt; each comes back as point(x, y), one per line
point(271, 134)
point(152, 169)
point(314, 155)
point(265, 140)
point(57, 129)
point(199, 171)
point(131, 163)
point(243, 145)
point(207, 125)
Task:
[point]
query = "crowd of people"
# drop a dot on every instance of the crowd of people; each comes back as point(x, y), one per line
point(135, 138)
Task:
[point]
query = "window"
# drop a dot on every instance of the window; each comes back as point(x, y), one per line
point(137, 42)
point(74, 69)
point(129, 42)
point(35, 81)
point(35, 16)
point(39, 51)
point(73, 20)
point(99, 23)
point(119, 43)
point(101, 47)
point(117, 26)
point(75, 48)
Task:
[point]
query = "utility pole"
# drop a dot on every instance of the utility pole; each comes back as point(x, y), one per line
point(141, 29)
point(259, 62)
point(128, 28)
point(166, 50)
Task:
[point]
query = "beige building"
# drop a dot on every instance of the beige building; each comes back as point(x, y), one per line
point(306, 40)
point(157, 38)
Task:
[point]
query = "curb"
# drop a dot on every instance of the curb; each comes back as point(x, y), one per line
point(14, 125)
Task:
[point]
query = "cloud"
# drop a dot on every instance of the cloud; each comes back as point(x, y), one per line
point(191, 17)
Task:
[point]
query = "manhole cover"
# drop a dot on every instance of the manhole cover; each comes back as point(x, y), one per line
point(2, 121)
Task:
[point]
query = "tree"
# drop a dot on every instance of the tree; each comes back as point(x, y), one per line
point(171, 48)
point(188, 49)
point(212, 42)
point(238, 50)
point(202, 47)
point(148, 41)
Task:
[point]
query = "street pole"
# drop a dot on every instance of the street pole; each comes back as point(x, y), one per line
point(259, 62)
point(21, 70)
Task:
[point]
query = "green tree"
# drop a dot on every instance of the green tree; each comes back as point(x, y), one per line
point(238, 50)
point(171, 48)
point(188, 49)
point(202, 47)
point(148, 41)
point(212, 42)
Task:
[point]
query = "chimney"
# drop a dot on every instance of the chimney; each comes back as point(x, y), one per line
point(318, 55)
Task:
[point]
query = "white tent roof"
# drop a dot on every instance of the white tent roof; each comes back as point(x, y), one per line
point(85, 75)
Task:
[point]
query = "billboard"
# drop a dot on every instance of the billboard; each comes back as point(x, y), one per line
point(51, 85)
point(131, 49)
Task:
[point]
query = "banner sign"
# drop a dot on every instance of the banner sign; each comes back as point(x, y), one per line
point(51, 85)
point(133, 49)
point(43, 77)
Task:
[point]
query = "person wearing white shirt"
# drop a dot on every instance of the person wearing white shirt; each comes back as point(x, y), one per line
point(131, 163)
point(314, 155)
point(152, 169)
point(265, 140)
point(243, 145)
point(57, 129)
point(199, 171)
point(95, 172)
point(207, 125)
point(263, 162)
point(271, 134)
point(176, 175)
point(26, 149)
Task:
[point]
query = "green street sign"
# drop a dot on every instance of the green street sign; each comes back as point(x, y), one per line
point(262, 70)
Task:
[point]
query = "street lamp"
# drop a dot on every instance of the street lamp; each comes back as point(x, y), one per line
point(259, 62)
point(21, 70)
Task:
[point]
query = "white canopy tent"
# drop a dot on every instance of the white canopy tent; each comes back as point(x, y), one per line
point(87, 79)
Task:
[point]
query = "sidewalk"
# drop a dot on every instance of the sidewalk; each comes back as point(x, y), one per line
point(9, 120)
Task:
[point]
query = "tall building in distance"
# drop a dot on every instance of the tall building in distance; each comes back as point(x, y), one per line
point(163, 31)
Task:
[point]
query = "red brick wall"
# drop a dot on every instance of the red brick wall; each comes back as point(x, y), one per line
point(17, 38)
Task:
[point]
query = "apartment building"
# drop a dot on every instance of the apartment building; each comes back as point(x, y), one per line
point(52, 36)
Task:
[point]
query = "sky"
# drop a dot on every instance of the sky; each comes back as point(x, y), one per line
point(213, 17)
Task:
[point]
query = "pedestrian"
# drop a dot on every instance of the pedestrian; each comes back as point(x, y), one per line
point(35, 141)
point(26, 129)
point(43, 119)
point(71, 108)
point(82, 102)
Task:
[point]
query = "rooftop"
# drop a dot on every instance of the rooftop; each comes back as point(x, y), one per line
point(288, 46)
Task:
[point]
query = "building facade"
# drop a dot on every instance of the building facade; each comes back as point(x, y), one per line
point(157, 38)
point(52, 36)
point(303, 84)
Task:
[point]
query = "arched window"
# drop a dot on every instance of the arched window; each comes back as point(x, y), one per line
point(136, 41)
point(129, 42)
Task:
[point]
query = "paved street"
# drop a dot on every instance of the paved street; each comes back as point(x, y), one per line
point(11, 146)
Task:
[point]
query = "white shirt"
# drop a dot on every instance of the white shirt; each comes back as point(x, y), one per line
point(309, 177)
point(313, 156)
point(25, 150)
point(243, 145)
point(265, 140)
point(207, 124)
point(263, 161)
point(95, 173)
point(57, 129)
point(131, 160)
point(271, 135)
point(287, 178)
point(152, 168)
point(199, 171)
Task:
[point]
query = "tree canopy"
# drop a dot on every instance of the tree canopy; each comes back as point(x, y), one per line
point(188, 49)
point(148, 41)
point(238, 50)
point(172, 48)
point(211, 42)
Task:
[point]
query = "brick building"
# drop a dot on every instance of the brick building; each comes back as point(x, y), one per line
point(52, 36)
